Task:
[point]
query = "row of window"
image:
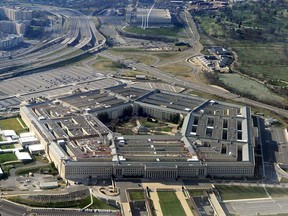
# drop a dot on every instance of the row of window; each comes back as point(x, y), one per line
point(137, 171)
point(229, 170)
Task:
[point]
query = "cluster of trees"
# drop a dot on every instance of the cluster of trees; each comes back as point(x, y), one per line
point(255, 21)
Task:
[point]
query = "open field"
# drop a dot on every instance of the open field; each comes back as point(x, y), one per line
point(170, 204)
point(177, 69)
point(168, 31)
point(267, 61)
point(102, 63)
point(165, 55)
point(136, 195)
point(232, 192)
point(143, 58)
point(7, 157)
point(130, 53)
point(249, 86)
point(12, 124)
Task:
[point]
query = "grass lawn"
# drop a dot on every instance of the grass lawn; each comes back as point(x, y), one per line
point(166, 129)
point(136, 195)
point(232, 192)
point(170, 204)
point(102, 63)
point(148, 124)
point(68, 204)
point(167, 31)
point(143, 58)
point(247, 85)
point(132, 73)
point(10, 146)
point(98, 204)
point(268, 60)
point(139, 53)
point(177, 69)
point(75, 203)
point(277, 192)
point(206, 95)
point(13, 124)
point(196, 192)
point(7, 157)
point(165, 55)
point(26, 170)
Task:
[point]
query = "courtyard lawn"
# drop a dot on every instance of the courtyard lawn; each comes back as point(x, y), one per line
point(13, 124)
point(10, 146)
point(136, 195)
point(7, 157)
point(170, 204)
point(196, 192)
point(231, 192)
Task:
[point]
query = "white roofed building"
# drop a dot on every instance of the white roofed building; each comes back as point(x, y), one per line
point(23, 156)
point(28, 141)
point(36, 149)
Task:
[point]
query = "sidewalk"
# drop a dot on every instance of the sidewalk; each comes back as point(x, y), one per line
point(184, 203)
point(154, 197)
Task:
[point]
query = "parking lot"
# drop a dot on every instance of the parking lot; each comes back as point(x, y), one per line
point(50, 83)
point(258, 207)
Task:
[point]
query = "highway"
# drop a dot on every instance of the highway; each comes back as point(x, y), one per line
point(80, 35)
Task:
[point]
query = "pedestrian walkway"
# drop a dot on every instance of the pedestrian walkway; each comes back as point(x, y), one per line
point(154, 197)
point(126, 209)
point(184, 203)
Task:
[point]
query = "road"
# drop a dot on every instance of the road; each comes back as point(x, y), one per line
point(192, 31)
point(81, 35)
point(193, 85)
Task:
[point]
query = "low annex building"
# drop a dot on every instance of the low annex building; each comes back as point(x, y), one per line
point(216, 139)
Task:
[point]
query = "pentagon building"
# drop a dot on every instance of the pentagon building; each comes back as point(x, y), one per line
point(216, 139)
